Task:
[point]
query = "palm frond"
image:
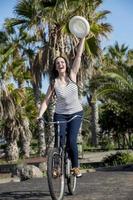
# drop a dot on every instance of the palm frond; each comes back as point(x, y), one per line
point(93, 47)
point(9, 23)
point(25, 9)
point(107, 89)
point(101, 15)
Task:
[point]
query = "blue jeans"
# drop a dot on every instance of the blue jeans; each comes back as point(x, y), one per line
point(71, 129)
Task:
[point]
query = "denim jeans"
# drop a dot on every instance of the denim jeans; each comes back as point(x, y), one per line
point(71, 129)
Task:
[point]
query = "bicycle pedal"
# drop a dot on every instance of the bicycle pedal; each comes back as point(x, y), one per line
point(56, 173)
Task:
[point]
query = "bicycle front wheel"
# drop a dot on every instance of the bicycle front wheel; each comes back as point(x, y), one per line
point(55, 174)
point(71, 179)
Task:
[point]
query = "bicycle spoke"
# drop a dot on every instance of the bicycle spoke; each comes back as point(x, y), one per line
point(71, 179)
point(55, 174)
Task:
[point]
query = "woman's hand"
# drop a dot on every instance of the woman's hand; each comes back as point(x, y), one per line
point(39, 119)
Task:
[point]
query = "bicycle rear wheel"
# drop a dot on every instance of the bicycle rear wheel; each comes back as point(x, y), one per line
point(71, 179)
point(55, 174)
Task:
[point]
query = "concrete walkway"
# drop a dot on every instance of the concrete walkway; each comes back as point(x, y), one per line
point(114, 183)
point(92, 186)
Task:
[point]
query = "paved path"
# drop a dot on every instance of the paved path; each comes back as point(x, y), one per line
point(111, 185)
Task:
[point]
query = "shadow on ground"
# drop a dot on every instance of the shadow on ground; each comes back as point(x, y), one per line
point(24, 195)
point(125, 168)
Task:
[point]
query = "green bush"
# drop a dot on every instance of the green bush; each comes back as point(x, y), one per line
point(119, 158)
point(106, 143)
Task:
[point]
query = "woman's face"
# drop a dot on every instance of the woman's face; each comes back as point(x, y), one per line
point(60, 65)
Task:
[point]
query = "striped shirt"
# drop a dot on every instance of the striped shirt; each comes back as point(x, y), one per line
point(67, 101)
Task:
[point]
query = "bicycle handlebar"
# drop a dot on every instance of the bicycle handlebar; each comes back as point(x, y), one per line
point(62, 122)
point(59, 122)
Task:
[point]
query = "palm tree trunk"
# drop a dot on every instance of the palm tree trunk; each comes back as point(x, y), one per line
point(25, 130)
point(94, 119)
point(26, 146)
point(41, 139)
point(26, 136)
point(12, 151)
point(51, 132)
point(94, 123)
point(41, 132)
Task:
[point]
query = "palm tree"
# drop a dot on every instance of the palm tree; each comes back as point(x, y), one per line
point(94, 57)
point(115, 78)
point(12, 119)
point(13, 66)
point(29, 20)
point(54, 16)
point(49, 21)
point(117, 54)
point(120, 90)
point(120, 70)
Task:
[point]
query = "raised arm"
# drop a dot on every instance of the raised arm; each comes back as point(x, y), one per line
point(46, 101)
point(77, 60)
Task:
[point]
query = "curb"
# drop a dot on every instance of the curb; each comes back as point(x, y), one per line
point(10, 179)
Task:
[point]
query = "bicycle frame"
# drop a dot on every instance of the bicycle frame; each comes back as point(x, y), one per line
point(58, 136)
point(58, 126)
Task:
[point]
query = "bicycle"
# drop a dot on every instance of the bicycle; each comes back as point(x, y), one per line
point(59, 168)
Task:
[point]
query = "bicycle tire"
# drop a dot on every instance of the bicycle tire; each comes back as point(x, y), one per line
point(71, 179)
point(56, 184)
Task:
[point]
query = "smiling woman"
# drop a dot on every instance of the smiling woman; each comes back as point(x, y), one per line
point(67, 102)
point(60, 62)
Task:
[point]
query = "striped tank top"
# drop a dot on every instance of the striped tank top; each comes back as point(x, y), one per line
point(67, 100)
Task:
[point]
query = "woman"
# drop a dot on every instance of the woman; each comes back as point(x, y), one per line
point(67, 102)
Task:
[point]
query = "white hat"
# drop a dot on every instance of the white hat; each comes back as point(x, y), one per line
point(79, 26)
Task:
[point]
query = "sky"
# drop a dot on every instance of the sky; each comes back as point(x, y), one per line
point(121, 19)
